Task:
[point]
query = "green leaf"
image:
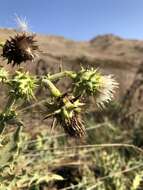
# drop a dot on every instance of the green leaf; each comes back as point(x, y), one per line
point(35, 180)
point(48, 178)
point(136, 182)
point(10, 150)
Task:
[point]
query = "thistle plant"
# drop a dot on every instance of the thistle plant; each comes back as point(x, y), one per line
point(22, 85)
point(66, 108)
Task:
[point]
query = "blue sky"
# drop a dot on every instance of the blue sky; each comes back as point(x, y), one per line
point(77, 19)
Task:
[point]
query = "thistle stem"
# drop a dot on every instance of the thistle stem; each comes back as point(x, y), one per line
point(48, 81)
point(9, 104)
point(60, 75)
point(53, 89)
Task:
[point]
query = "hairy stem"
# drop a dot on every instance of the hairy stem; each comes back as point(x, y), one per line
point(53, 89)
point(60, 75)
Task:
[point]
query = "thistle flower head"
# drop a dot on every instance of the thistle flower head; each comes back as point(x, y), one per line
point(92, 83)
point(19, 48)
point(22, 85)
point(73, 126)
point(105, 92)
point(66, 110)
point(87, 81)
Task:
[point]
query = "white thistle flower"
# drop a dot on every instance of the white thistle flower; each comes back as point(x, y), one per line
point(22, 24)
point(106, 90)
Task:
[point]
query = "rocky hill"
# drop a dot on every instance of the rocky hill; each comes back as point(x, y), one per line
point(110, 53)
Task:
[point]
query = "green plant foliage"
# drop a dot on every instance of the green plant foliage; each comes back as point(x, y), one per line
point(137, 180)
point(66, 110)
point(3, 74)
point(10, 148)
point(6, 118)
point(31, 163)
point(90, 82)
point(22, 85)
point(33, 181)
point(87, 81)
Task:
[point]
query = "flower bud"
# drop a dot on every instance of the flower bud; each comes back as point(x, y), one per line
point(66, 110)
point(87, 81)
point(22, 85)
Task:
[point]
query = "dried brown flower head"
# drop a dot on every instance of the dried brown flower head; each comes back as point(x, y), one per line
point(66, 109)
point(73, 126)
point(19, 48)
